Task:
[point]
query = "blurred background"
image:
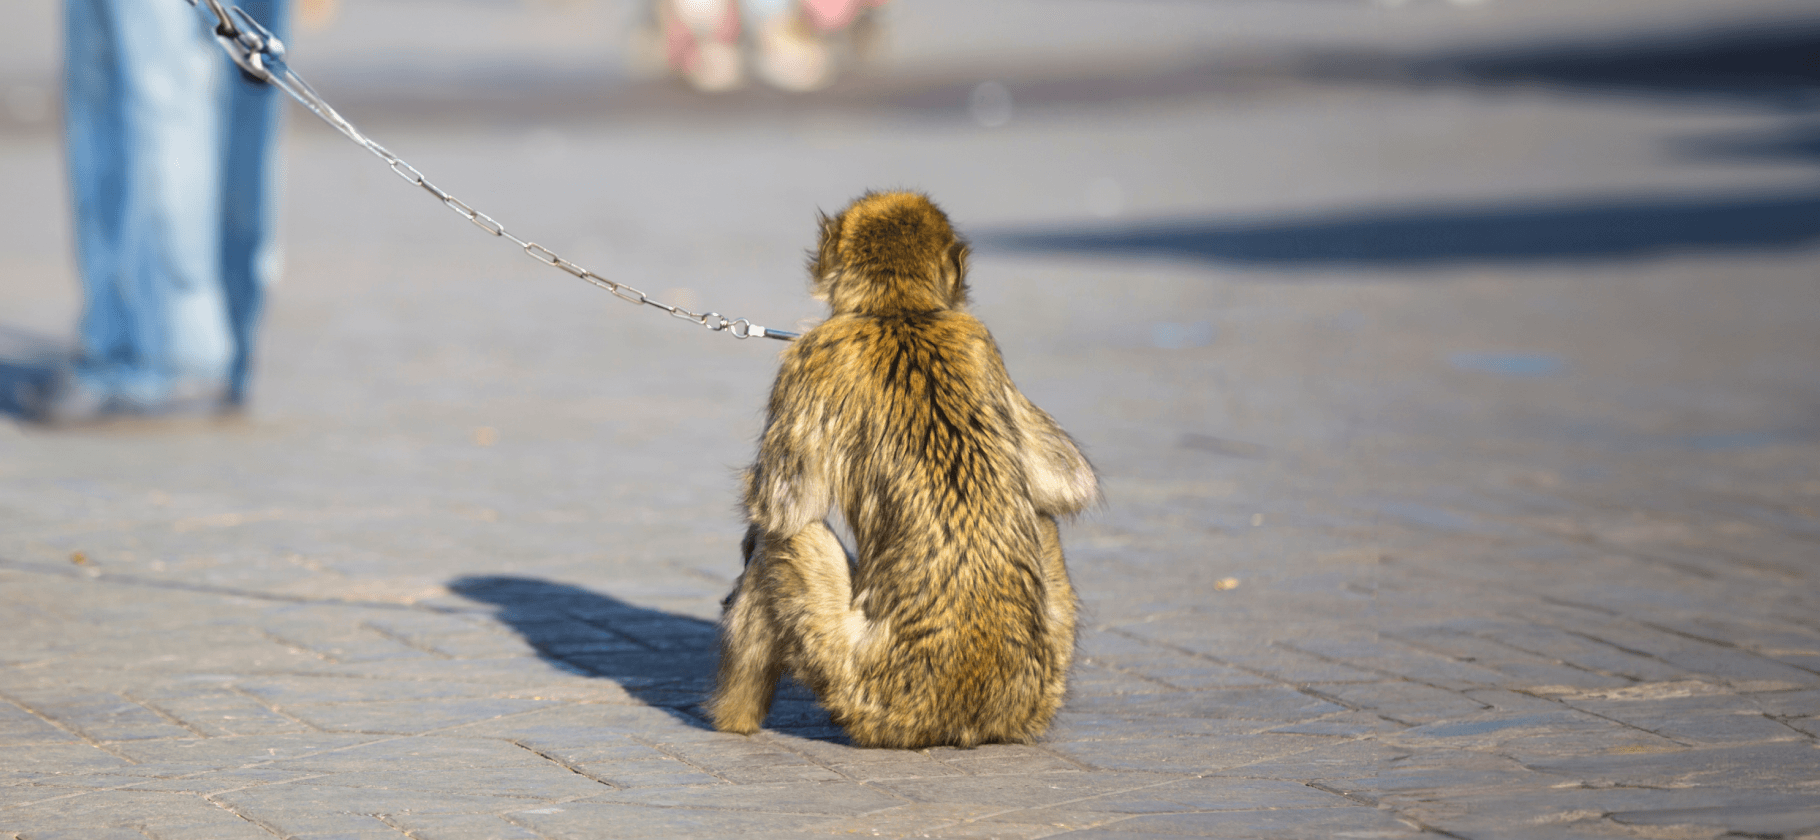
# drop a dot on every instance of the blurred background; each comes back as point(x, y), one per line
point(1296, 256)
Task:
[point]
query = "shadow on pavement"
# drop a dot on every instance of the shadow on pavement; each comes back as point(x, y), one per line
point(26, 361)
point(1564, 231)
point(663, 659)
point(1798, 142)
point(1767, 63)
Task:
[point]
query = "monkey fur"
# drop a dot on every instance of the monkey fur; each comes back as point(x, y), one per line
point(953, 621)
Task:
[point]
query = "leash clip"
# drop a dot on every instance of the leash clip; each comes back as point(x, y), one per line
point(247, 42)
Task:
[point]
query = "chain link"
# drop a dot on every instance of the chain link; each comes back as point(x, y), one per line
point(261, 55)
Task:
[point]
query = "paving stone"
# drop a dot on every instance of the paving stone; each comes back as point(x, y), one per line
point(341, 644)
point(1404, 702)
point(1033, 822)
point(1515, 665)
point(1013, 792)
point(460, 827)
point(1390, 658)
point(1349, 724)
point(1217, 794)
point(1086, 726)
point(56, 759)
point(581, 724)
point(1173, 755)
point(916, 818)
point(102, 717)
point(998, 759)
point(1491, 731)
point(316, 809)
point(662, 773)
point(993, 829)
point(243, 750)
point(318, 690)
point(1459, 772)
point(1295, 823)
point(111, 833)
point(1163, 665)
point(807, 797)
point(883, 771)
point(1725, 662)
point(1804, 703)
point(1295, 667)
point(1515, 812)
point(1756, 765)
point(1706, 720)
point(1588, 654)
point(19, 727)
point(220, 713)
point(1273, 703)
point(746, 761)
point(204, 781)
point(1615, 740)
point(410, 717)
point(583, 821)
point(107, 809)
point(1786, 819)
point(1506, 700)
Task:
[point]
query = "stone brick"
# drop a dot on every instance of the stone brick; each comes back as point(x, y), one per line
point(1175, 755)
point(806, 797)
point(1405, 702)
point(242, 750)
point(1271, 703)
point(1295, 667)
point(19, 728)
point(103, 717)
point(1588, 654)
point(583, 821)
point(56, 759)
point(1293, 823)
point(1756, 766)
point(215, 713)
point(409, 717)
point(1398, 660)
point(1701, 720)
point(1765, 819)
point(1727, 663)
point(460, 827)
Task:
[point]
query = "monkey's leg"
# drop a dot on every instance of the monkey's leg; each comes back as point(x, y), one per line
point(829, 639)
point(751, 648)
point(1059, 607)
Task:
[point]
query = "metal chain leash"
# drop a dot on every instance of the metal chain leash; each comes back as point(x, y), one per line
point(261, 55)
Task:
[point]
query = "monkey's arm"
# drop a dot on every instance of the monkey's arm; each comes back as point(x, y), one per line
point(1062, 483)
point(789, 487)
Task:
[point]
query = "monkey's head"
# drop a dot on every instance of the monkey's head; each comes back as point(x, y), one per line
point(889, 253)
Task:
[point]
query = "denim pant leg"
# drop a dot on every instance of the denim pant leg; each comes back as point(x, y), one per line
point(249, 250)
point(144, 130)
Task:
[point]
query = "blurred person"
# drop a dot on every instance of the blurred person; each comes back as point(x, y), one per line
point(794, 45)
point(172, 175)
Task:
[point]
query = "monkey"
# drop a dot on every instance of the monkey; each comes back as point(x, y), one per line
point(952, 621)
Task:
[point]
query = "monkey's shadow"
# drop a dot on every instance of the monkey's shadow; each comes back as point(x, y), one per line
point(663, 659)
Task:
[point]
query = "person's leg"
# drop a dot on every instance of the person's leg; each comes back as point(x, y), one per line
point(143, 132)
point(249, 248)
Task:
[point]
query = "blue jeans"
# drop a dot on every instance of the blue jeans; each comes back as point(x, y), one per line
point(172, 176)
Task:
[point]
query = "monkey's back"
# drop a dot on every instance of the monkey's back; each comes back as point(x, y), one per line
point(947, 547)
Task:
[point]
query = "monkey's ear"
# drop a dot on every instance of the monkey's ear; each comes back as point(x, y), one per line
point(824, 261)
point(955, 271)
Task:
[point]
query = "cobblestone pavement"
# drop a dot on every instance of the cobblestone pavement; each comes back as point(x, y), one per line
point(1459, 413)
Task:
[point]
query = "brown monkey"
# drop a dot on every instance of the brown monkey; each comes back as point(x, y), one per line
point(953, 621)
